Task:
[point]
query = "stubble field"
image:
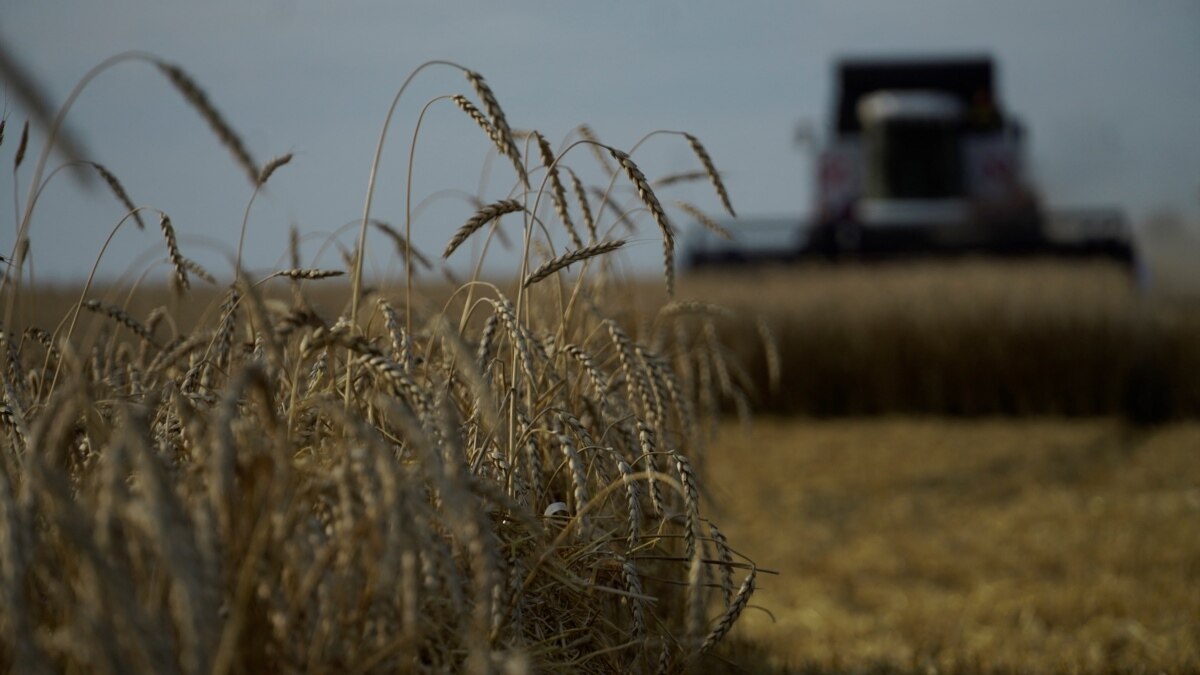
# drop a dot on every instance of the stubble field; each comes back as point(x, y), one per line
point(943, 545)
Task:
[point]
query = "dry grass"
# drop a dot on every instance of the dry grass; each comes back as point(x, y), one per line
point(937, 546)
point(261, 479)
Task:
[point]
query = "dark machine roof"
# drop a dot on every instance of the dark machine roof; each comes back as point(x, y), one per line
point(968, 78)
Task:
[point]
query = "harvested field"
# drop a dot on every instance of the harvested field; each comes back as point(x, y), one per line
point(909, 545)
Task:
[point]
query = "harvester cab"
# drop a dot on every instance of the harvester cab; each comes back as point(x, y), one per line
point(922, 158)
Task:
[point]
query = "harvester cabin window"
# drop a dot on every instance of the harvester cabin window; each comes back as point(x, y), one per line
point(912, 144)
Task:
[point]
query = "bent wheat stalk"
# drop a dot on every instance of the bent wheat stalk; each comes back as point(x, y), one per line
point(567, 259)
point(646, 193)
point(711, 170)
point(499, 123)
point(482, 217)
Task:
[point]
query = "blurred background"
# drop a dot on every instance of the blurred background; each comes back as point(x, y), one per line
point(1106, 91)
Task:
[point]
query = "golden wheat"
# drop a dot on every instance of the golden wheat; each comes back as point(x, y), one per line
point(261, 485)
point(504, 135)
point(269, 168)
point(646, 193)
point(168, 230)
point(558, 193)
point(711, 171)
point(483, 216)
point(571, 257)
point(199, 100)
point(119, 192)
point(21, 146)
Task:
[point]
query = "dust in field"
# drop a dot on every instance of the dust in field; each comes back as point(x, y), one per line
point(967, 545)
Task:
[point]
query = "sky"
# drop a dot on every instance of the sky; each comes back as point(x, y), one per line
point(1109, 91)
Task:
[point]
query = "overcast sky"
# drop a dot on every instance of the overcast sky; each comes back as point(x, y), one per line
point(1109, 90)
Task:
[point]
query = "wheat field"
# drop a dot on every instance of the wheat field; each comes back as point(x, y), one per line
point(956, 337)
point(246, 474)
point(310, 469)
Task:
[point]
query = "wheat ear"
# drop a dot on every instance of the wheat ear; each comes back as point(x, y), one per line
point(483, 216)
point(403, 248)
point(726, 557)
point(22, 145)
point(177, 259)
point(199, 100)
point(681, 177)
point(633, 584)
point(558, 193)
point(646, 193)
point(771, 349)
point(469, 108)
point(504, 135)
point(704, 219)
point(122, 317)
point(594, 143)
point(270, 167)
point(307, 273)
point(725, 623)
point(198, 269)
point(555, 264)
point(711, 170)
point(119, 192)
point(584, 208)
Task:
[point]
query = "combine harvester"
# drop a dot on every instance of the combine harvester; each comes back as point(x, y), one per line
point(922, 160)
